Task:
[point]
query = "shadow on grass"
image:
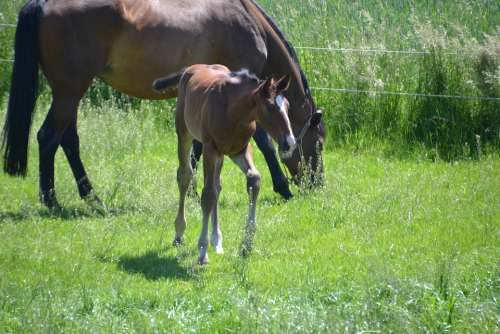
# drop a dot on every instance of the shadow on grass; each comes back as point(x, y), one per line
point(153, 266)
point(64, 213)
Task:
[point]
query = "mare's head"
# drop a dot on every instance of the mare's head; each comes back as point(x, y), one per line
point(272, 114)
point(306, 163)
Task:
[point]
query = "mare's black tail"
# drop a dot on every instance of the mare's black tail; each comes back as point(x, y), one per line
point(23, 90)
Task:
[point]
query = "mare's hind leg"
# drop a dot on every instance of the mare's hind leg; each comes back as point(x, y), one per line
point(71, 145)
point(195, 158)
point(196, 153)
point(245, 161)
point(265, 145)
point(62, 112)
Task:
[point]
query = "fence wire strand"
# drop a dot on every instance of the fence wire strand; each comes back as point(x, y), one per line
point(360, 91)
point(375, 51)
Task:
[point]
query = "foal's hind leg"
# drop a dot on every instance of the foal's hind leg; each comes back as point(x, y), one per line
point(245, 161)
point(184, 176)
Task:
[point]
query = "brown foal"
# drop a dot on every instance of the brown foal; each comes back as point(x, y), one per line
point(220, 108)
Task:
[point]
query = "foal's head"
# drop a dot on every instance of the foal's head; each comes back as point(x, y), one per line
point(272, 113)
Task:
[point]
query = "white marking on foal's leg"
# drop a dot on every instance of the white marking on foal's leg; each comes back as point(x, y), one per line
point(216, 242)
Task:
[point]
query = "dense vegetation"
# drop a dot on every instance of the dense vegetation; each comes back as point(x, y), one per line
point(404, 238)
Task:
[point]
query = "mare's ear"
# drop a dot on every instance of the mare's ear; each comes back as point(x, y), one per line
point(283, 84)
point(265, 88)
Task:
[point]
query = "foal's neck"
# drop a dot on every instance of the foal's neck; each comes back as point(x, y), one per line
point(243, 110)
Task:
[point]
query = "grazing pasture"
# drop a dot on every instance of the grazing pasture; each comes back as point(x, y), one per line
point(405, 236)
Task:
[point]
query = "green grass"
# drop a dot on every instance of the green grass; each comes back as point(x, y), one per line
point(387, 246)
point(400, 240)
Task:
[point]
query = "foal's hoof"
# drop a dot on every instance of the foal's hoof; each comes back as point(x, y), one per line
point(177, 242)
point(219, 250)
point(202, 261)
point(48, 198)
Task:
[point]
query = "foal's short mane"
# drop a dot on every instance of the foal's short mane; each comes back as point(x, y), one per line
point(244, 73)
point(290, 50)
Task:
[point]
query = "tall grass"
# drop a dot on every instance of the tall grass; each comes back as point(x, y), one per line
point(464, 44)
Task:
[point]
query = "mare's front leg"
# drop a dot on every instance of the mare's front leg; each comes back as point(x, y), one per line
point(245, 161)
point(265, 145)
point(211, 160)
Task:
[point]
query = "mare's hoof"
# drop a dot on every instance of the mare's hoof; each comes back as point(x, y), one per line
point(48, 198)
point(202, 261)
point(177, 242)
point(285, 193)
point(95, 203)
point(245, 251)
point(192, 193)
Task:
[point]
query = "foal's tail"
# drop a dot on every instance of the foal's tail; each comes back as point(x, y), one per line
point(23, 90)
point(164, 83)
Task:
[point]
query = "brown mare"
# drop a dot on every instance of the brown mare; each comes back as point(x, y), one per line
point(127, 43)
point(220, 108)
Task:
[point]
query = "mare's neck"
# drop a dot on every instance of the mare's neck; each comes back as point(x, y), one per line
point(280, 63)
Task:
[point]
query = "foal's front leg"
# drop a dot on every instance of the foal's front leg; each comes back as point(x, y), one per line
point(216, 239)
point(211, 159)
point(245, 161)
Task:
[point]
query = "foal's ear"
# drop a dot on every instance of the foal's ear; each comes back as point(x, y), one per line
point(283, 84)
point(265, 88)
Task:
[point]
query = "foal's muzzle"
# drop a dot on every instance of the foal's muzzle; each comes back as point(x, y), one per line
point(287, 145)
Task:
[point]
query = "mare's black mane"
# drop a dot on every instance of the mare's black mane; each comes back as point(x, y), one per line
point(290, 50)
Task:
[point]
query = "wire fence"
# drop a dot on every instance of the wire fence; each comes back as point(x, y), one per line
point(378, 51)
point(368, 51)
